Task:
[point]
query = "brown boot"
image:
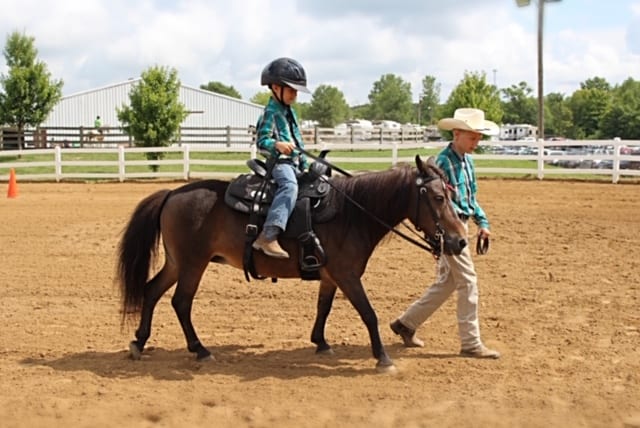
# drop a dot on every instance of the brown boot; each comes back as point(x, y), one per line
point(270, 248)
point(408, 335)
point(480, 351)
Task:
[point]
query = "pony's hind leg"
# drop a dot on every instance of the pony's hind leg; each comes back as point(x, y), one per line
point(182, 303)
point(326, 295)
point(154, 289)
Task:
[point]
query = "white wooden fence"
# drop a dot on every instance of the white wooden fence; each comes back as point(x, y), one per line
point(621, 158)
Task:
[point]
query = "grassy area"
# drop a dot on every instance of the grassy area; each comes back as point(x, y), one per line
point(241, 157)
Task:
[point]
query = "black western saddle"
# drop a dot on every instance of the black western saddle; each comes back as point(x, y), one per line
point(253, 193)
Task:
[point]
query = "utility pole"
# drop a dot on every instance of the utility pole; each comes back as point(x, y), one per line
point(540, 71)
point(540, 3)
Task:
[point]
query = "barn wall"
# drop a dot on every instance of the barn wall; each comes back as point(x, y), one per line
point(209, 109)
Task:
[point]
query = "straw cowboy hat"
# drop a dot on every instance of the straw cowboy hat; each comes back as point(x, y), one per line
point(469, 119)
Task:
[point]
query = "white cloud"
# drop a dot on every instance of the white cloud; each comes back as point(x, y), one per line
point(346, 44)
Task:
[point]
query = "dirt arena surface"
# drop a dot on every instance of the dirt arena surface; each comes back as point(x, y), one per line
point(559, 294)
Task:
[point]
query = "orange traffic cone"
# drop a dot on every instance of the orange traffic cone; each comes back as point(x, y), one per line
point(13, 185)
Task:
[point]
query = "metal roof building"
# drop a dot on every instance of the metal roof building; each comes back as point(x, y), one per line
point(208, 109)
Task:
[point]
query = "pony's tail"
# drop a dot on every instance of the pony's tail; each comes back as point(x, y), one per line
point(136, 250)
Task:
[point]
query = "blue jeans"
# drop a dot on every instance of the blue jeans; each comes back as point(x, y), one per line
point(284, 200)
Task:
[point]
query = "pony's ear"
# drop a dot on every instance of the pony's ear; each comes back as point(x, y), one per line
point(432, 161)
point(420, 164)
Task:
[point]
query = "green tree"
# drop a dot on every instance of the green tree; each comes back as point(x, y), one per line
point(558, 117)
point(28, 93)
point(360, 112)
point(390, 99)
point(520, 106)
point(474, 91)
point(302, 110)
point(155, 112)
point(221, 88)
point(588, 106)
point(429, 100)
point(622, 118)
point(328, 106)
point(261, 98)
point(596, 83)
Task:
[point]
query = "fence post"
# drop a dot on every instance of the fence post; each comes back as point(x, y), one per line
point(185, 159)
point(540, 159)
point(615, 172)
point(315, 134)
point(121, 168)
point(394, 153)
point(57, 156)
point(228, 136)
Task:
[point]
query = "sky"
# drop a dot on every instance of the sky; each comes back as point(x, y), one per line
point(348, 44)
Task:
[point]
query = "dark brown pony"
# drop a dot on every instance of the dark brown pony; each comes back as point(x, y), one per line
point(198, 228)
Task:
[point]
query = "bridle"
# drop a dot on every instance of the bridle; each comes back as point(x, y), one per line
point(437, 241)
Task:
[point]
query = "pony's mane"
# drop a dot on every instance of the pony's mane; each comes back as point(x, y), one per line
point(440, 173)
point(375, 189)
point(383, 194)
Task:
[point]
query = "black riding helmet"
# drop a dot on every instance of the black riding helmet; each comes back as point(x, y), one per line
point(285, 71)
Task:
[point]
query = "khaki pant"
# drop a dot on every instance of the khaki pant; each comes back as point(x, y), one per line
point(454, 273)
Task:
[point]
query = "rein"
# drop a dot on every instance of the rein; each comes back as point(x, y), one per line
point(434, 246)
point(482, 245)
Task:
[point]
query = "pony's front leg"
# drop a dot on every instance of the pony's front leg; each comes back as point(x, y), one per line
point(326, 295)
point(354, 291)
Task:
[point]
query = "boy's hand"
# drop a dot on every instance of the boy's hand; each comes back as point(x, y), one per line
point(285, 147)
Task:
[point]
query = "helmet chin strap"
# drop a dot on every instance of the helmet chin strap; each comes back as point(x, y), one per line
point(280, 97)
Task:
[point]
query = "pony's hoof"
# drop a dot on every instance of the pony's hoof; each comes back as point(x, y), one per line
point(134, 351)
point(206, 359)
point(325, 352)
point(203, 354)
point(386, 369)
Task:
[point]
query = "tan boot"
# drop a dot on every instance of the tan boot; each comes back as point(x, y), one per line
point(270, 248)
point(480, 351)
point(408, 335)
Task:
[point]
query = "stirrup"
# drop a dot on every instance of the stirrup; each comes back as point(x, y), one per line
point(310, 262)
point(312, 255)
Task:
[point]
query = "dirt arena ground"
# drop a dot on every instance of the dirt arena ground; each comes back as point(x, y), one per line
point(559, 294)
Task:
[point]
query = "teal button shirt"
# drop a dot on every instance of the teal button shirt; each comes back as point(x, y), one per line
point(273, 126)
point(461, 173)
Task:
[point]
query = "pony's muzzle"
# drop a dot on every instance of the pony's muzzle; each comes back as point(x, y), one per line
point(455, 245)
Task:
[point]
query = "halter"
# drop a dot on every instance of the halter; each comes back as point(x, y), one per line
point(436, 242)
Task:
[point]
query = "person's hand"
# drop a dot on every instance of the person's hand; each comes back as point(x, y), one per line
point(484, 233)
point(482, 244)
point(285, 147)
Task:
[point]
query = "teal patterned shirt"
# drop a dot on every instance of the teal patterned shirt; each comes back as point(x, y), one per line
point(273, 125)
point(461, 173)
